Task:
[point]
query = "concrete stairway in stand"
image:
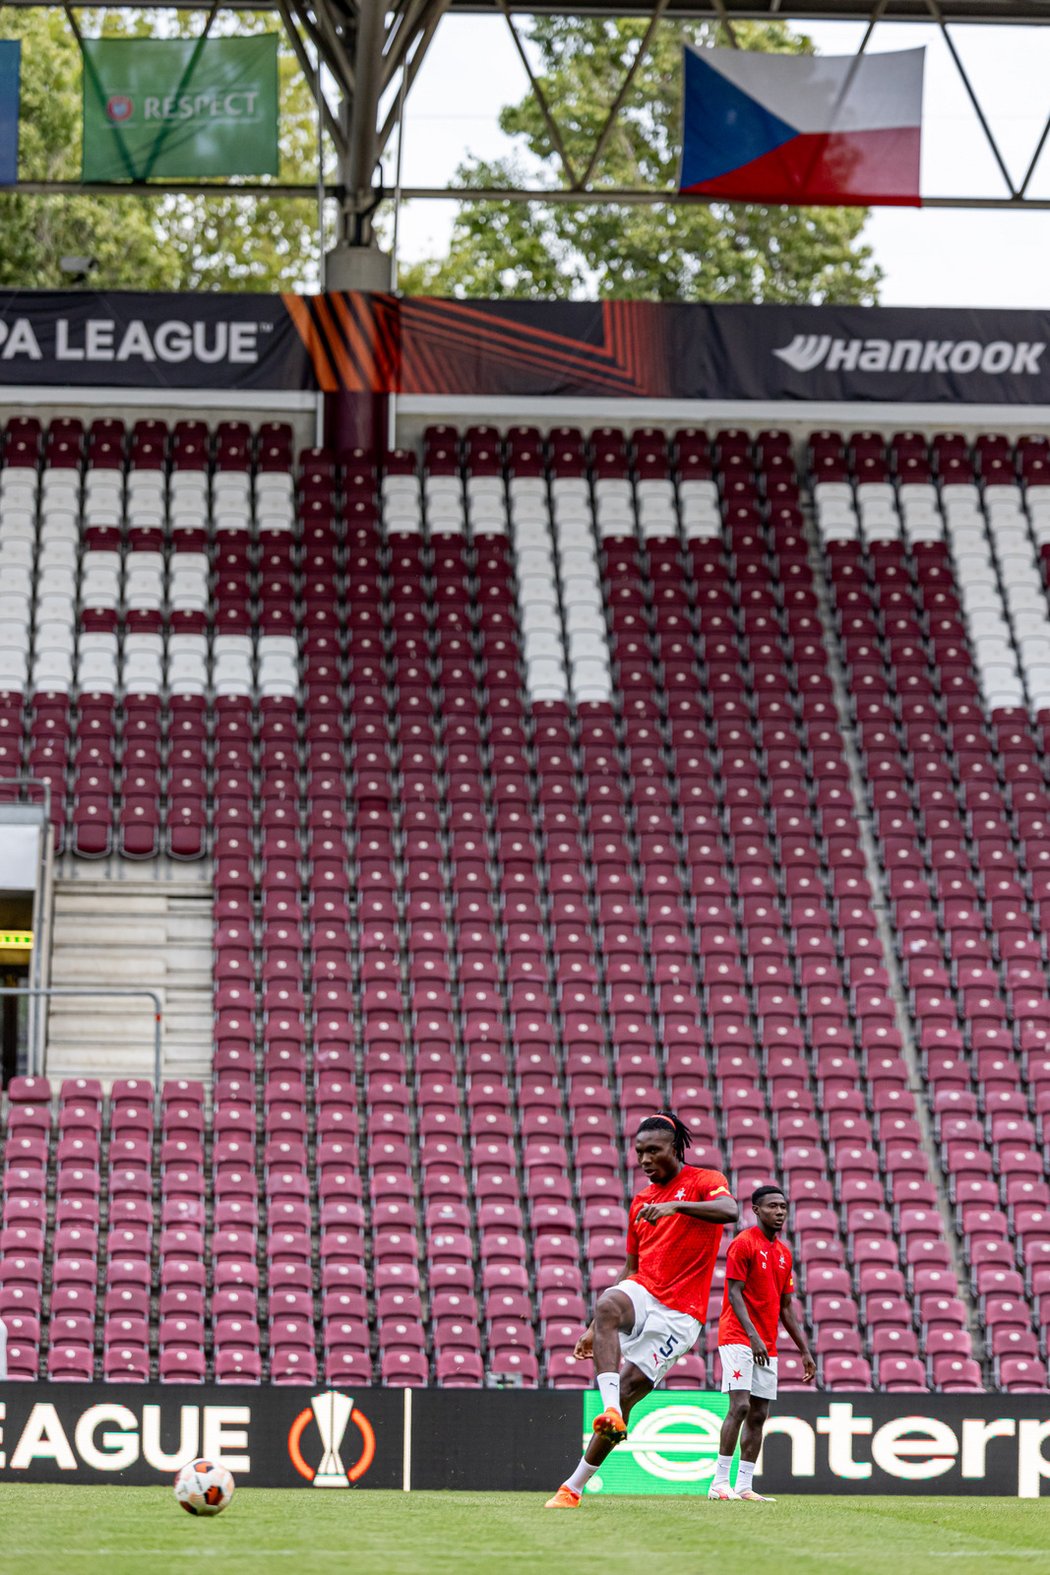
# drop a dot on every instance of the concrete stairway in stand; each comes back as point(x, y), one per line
point(125, 934)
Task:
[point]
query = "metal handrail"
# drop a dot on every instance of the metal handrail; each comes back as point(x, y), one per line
point(37, 970)
point(31, 781)
point(62, 990)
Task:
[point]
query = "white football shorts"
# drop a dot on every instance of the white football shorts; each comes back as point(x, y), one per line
point(660, 1335)
point(741, 1371)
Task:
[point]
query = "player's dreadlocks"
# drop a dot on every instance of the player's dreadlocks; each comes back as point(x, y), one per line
point(682, 1136)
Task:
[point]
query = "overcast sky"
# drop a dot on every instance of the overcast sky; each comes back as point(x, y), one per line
point(929, 257)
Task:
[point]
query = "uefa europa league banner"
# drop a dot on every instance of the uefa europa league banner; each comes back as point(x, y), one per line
point(179, 107)
point(486, 1440)
point(372, 345)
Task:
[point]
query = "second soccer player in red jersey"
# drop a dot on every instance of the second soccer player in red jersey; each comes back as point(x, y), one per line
point(643, 1324)
point(757, 1298)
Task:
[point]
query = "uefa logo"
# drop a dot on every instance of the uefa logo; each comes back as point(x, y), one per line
point(120, 108)
point(331, 1414)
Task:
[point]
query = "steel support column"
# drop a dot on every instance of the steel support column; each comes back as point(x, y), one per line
point(360, 171)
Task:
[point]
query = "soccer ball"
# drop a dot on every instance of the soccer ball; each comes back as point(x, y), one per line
point(204, 1487)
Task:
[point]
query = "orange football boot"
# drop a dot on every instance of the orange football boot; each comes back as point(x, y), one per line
point(611, 1425)
point(565, 1498)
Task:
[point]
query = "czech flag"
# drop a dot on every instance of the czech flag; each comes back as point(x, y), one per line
point(803, 129)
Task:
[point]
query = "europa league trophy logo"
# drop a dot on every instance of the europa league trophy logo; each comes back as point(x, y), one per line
point(332, 1415)
point(332, 1412)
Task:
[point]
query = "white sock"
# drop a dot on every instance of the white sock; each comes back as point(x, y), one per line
point(609, 1389)
point(745, 1472)
point(721, 1476)
point(581, 1476)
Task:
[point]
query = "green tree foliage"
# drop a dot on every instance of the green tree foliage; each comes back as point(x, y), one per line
point(699, 252)
point(264, 243)
point(147, 243)
point(35, 231)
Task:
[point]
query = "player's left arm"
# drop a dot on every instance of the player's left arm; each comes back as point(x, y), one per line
point(789, 1319)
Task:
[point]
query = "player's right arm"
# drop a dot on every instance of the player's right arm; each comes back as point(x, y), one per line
point(735, 1292)
point(789, 1319)
point(716, 1207)
point(715, 1211)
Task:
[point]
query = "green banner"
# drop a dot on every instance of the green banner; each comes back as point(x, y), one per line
point(671, 1445)
point(179, 107)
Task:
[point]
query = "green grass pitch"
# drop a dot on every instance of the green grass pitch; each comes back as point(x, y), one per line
point(112, 1530)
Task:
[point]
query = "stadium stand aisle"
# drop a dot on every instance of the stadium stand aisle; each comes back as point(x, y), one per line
point(523, 783)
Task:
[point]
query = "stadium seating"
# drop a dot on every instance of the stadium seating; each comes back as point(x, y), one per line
point(934, 555)
point(523, 775)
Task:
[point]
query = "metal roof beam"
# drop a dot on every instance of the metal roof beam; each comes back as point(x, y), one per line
point(633, 196)
point(313, 76)
point(937, 12)
point(430, 14)
point(991, 13)
point(1026, 13)
point(368, 53)
point(625, 87)
point(625, 196)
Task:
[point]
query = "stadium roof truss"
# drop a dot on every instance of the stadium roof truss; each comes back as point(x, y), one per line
point(361, 60)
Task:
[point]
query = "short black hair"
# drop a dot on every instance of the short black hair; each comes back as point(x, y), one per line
point(765, 1192)
point(666, 1120)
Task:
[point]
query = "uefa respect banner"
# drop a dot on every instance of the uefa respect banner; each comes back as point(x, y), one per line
point(179, 107)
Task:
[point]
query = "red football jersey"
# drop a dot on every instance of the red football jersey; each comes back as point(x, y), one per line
point(676, 1255)
point(764, 1266)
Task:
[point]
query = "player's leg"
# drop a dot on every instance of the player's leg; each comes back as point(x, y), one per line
point(634, 1386)
point(737, 1370)
point(750, 1444)
point(649, 1346)
point(614, 1315)
point(734, 1420)
point(751, 1432)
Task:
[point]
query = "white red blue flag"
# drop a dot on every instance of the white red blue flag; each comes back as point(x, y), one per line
point(804, 129)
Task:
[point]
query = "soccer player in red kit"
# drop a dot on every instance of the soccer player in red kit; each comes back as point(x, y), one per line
point(757, 1297)
point(643, 1324)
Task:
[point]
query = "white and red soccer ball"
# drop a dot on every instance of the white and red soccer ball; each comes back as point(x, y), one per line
point(203, 1487)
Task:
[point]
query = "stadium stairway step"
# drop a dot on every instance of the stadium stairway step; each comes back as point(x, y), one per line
point(880, 907)
point(130, 934)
